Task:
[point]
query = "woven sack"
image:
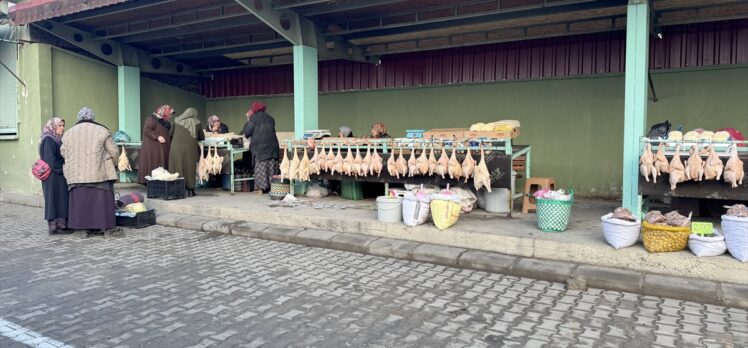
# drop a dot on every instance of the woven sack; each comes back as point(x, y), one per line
point(619, 233)
point(416, 210)
point(445, 210)
point(659, 239)
point(735, 230)
point(707, 245)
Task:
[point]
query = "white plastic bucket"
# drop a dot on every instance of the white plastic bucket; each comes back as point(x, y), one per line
point(497, 201)
point(389, 209)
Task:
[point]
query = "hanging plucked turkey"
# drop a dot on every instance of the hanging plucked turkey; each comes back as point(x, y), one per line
point(293, 169)
point(392, 166)
point(442, 164)
point(694, 165)
point(713, 166)
point(454, 167)
point(734, 173)
point(376, 163)
point(481, 176)
point(285, 166)
point(646, 164)
point(468, 165)
point(676, 169)
point(124, 163)
point(412, 164)
point(402, 164)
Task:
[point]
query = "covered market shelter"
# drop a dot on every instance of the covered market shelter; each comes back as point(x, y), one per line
point(585, 78)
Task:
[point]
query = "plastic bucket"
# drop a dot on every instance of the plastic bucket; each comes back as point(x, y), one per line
point(389, 209)
point(497, 201)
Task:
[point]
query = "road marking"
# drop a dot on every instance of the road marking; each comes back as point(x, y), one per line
point(28, 337)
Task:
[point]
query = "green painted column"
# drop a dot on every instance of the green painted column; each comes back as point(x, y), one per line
point(128, 100)
point(635, 107)
point(305, 90)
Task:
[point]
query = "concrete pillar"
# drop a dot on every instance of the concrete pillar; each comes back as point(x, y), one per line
point(305, 89)
point(128, 100)
point(635, 108)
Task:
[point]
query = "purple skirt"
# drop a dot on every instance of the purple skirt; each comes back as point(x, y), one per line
point(91, 208)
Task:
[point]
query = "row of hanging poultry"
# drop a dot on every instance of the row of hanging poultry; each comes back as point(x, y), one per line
point(325, 159)
point(695, 168)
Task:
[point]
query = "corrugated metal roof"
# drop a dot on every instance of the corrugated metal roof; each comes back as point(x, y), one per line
point(683, 46)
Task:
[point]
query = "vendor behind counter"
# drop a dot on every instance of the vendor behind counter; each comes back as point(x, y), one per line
point(216, 126)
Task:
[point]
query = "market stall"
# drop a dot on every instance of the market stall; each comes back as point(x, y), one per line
point(478, 161)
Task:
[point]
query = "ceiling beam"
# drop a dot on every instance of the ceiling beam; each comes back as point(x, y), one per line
point(177, 31)
point(472, 18)
point(301, 31)
point(112, 10)
point(222, 49)
point(113, 31)
point(300, 3)
point(116, 53)
point(342, 7)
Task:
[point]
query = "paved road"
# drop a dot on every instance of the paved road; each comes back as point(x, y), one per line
point(168, 287)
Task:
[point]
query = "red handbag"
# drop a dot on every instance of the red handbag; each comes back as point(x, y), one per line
point(40, 170)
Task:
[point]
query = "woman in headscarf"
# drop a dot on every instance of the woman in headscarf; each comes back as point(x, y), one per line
point(90, 155)
point(216, 126)
point(55, 188)
point(263, 145)
point(378, 130)
point(185, 150)
point(154, 148)
point(345, 132)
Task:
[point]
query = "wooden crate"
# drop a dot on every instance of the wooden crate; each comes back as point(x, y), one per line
point(445, 133)
point(493, 134)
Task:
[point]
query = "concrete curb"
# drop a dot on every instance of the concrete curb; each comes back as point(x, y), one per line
point(575, 275)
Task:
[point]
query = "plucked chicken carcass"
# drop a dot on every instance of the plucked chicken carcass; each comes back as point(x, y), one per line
point(481, 176)
point(646, 164)
point(676, 169)
point(285, 166)
point(713, 166)
point(321, 159)
point(331, 159)
point(442, 164)
point(124, 163)
point(216, 163)
point(293, 169)
point(432, 162)
point(454, 167)
point(422, 163)
point(376, 163)
point(412, 164)
point(366, 162)
point(337, 162)
point(392, 166)
point(348, 162)
point(304, 167)
point(660, 161)
point(734, 168)
point(358, 164)
point(468, 165)
point(694, 165)
point(314, 163)
point(203, 166)
point(401, 164)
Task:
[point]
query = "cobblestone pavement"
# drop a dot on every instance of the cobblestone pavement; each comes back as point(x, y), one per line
point(168, 287)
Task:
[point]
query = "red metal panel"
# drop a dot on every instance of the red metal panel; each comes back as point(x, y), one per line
point(682, 46)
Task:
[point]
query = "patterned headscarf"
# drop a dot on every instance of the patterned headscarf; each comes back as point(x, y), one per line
point(86, 114)
point(50, 130)
point(379, 127)
point(257, 107)
point(212, 119)
point(163, 112)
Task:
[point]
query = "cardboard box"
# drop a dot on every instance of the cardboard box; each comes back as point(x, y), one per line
point(445, 133)
point(493, 134)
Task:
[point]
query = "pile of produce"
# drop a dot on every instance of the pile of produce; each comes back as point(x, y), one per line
point(673, 219)
point(557, 195)
point(737, 210)
point(623, 214)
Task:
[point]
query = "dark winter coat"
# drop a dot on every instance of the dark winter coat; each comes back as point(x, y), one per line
point(55, 188)
point(184, 153)
point(264, 142)
point(153, 154)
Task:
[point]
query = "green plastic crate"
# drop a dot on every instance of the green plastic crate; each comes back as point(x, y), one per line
point(352, 190)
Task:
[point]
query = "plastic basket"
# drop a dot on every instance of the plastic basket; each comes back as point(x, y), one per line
point(140, 220)
point(553, 215)
point(279, 189)
point(167, 190)
point(659, 239)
